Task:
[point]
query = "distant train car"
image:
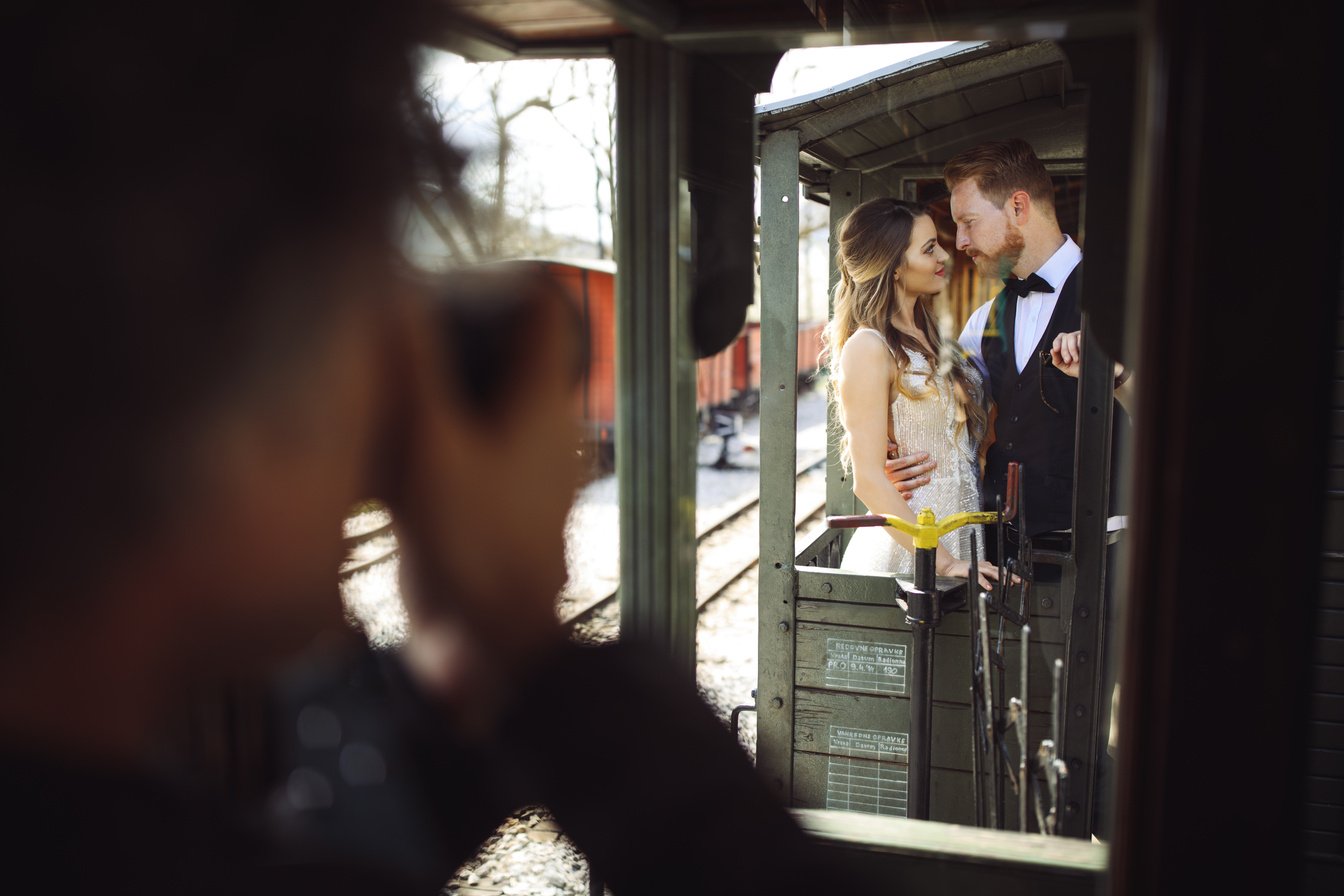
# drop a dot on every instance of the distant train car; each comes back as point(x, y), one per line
point(729, 380)
point(593, 286)
point(746, 360)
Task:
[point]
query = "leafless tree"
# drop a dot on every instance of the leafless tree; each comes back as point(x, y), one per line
point(504, 213)
point(595, 83)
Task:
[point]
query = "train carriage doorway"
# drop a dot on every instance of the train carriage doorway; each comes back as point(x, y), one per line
point(835, 647)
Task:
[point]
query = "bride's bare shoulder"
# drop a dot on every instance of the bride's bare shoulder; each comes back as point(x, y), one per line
point(867, 343)
point(865, 354)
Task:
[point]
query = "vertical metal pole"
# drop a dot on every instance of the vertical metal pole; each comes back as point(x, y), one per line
point(779, 456)
point(655, 413)
point(921, 706)
point(977, 778)
point(1083, 608)
point(1107, 66)
point(997, 747)
point(1023, 722)
point(923, 603)
point(986, 668)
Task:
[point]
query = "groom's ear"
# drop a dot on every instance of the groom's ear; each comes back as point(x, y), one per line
point(1018, 207)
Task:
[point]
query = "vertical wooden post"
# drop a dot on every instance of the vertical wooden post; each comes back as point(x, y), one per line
point(845, 195)
point(1106, 65)
point(655, 415)
point(779, 455)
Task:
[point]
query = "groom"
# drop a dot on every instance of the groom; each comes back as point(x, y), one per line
point(1025, 341)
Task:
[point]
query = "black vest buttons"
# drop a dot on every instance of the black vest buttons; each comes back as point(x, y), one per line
point(1015, 419)
point(1009, 446)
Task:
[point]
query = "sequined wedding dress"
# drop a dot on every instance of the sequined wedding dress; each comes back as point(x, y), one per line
point(928, 423)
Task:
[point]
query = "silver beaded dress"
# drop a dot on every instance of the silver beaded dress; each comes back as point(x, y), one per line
point(927, 423)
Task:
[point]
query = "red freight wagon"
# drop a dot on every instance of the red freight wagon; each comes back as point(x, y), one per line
point(747, 361)
point(593, 285)
point(747, 357)
point(714, 380)
point(729, 379)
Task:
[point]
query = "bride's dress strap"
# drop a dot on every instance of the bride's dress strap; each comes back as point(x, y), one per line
point(878, 335)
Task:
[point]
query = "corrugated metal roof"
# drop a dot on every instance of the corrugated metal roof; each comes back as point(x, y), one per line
point(920, 112)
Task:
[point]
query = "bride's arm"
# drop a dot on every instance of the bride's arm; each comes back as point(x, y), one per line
point(865, 405)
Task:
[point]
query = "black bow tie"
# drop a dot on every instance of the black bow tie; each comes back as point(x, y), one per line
point(1019, 288)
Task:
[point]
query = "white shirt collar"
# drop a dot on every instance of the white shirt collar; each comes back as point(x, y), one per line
point(1060, 265)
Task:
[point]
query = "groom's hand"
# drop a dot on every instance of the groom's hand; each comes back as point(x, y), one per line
point(908, 472)
point(1066, 355)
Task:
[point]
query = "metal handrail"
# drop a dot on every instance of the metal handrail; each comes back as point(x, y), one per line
point(927, 529)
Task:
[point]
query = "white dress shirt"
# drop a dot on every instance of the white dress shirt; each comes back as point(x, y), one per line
point(1033, 309)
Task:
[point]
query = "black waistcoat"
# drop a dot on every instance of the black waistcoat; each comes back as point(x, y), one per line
point(1037, 412)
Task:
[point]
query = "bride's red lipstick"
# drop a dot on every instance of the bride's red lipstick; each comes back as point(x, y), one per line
point(939, 271)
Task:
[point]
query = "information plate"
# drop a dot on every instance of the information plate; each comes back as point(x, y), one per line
point(859, 773)
point(865, 666)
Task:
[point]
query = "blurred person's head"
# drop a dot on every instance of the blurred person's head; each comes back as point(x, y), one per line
point(200, 221)
point(496, 492)
point(517, 352)
point(1002, 202)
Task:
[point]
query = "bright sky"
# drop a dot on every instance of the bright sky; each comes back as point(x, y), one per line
point(554, 172)
point(555, 178)
point(810, 70)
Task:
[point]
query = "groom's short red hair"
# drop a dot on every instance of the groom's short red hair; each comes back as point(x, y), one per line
point(1001, 168)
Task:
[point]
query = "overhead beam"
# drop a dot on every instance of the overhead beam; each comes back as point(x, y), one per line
point(1060, 167)
point(647, 18)
point(714, 32)
point(1069, 20)
point(472, 39)
point(889, 179)
point(701, 35)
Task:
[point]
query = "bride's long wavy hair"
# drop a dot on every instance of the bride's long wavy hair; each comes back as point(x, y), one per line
point(873, 240)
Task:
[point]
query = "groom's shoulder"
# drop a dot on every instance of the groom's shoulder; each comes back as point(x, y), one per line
point(975, 324)
point(973, 333)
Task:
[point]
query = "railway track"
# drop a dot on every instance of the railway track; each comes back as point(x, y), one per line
point(720, 560)
point(726, 555)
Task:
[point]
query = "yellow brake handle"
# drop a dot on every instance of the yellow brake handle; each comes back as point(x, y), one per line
point(927, 529)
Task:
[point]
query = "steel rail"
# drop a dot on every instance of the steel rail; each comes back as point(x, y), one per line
point(590, 607)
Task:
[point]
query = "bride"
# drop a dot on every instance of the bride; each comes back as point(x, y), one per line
point(898, 380)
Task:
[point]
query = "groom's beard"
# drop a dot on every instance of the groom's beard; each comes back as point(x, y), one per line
point(999, 264)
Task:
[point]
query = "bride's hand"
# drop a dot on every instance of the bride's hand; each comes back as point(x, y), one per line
point(951, 566)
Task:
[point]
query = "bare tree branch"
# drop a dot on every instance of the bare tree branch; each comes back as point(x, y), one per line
point(600, 145)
